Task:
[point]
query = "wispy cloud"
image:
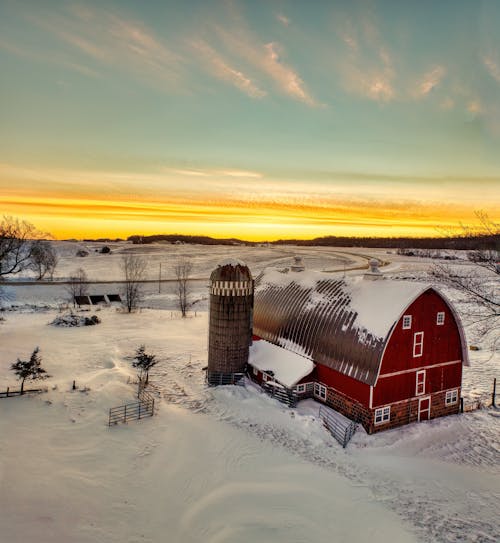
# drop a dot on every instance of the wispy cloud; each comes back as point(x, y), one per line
point(242, 173)
point(219, 68)
point(366, 67)
point(288, 79)
point(266, 57)
point(492, 67)
point(216, 173)
point(52, 57)
point(447, 104)
point(429, 82)
point(474, 107)
point(283, 19)
point(115, 42)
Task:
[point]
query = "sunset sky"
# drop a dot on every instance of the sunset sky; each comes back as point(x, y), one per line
point(258, 119)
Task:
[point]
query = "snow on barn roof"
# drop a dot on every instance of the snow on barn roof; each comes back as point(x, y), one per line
point(341, 323)
point(288, 367)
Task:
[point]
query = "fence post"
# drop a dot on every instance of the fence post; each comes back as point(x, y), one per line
point(8, 391)
point(125, 414)
point(461, 405)
point(140, 403)
point(494, 393)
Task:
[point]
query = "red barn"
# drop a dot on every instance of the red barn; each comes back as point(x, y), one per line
point(385, 353)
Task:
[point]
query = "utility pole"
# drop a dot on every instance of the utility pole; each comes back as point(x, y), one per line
point(159, 277)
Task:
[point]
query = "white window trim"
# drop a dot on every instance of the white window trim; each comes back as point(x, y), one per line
point(407, 317)
point(440, 318)
point(385, 414)
point(265, 377)
point(318, 389)
point(301, 387)
point(255, 370)
point(418, 344)
point(449, 397)
point(417, 382)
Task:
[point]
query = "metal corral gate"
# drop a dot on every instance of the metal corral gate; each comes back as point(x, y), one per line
point(283, 395)
point(341, 430)
point(145, 407)
point(217, 378)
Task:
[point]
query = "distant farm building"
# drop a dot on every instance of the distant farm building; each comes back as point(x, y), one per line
point(98, 299)
point(383, 353)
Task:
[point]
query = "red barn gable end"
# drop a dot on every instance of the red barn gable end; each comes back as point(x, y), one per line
point(386, 352)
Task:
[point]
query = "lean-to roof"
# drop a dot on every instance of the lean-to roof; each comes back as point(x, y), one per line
point(287, 367)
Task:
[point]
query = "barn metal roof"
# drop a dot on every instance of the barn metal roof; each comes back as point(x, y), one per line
point(341, 323)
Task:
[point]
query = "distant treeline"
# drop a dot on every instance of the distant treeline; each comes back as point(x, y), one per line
point(468, 242)
point(458, 242)
point(178, 238)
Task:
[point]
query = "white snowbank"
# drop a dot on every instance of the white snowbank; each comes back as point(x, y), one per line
point(289, 368)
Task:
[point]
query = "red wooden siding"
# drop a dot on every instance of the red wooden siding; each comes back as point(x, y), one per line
point(347, 385)
point(400, 387)
point(441, 344)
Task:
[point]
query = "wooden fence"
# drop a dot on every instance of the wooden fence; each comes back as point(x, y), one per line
point(11, 393)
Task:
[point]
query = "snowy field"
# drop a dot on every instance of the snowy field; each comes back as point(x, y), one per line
point(225, 464)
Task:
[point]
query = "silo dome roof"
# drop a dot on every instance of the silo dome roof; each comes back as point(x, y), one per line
point(231, 270)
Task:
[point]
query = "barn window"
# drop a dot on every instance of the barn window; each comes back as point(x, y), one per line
point(406, 322)
point(418, 344)
point(382, 415)
point(265, 377)
point(440, 318)
point(320, 391)
point(420, 386)
point(255, 371)
point(301, 388)
point(451, 397)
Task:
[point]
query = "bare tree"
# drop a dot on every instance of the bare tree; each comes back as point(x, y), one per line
point(479, 280)
point(43, 259)
point(182, 271)
point(16, 245)
point(77, 285)
point(134, 269)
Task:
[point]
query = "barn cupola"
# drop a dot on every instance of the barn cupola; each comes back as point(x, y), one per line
point(298, 264)
point(230, 328)
point(374, 273)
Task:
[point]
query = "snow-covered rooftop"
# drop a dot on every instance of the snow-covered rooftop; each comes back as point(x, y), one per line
point(341, 322)
point(288, 367)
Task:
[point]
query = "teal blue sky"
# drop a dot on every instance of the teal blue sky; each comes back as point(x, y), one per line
point(320, 117)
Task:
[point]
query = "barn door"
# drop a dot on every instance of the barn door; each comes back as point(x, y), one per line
point(424, 409)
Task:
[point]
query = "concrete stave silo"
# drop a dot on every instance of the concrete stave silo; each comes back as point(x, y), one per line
point(230, 327)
